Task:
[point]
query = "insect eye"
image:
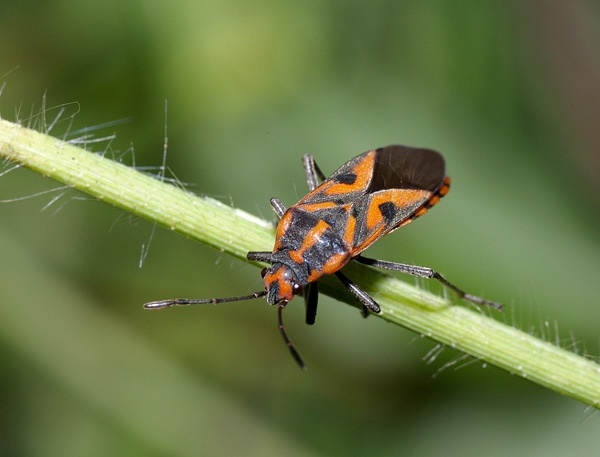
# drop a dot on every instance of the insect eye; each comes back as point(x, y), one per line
point(264, 272)
point(296, 289)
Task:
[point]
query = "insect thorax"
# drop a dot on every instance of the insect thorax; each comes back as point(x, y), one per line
point(310, 247)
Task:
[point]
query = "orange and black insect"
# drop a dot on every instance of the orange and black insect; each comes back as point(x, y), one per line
point(368, 197)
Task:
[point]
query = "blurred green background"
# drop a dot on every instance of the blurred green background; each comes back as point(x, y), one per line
point(508, 92)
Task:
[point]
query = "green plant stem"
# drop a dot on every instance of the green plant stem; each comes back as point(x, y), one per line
point(236, 232)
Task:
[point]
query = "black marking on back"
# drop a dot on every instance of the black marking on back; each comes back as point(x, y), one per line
point(346, 178)
point(388, 211)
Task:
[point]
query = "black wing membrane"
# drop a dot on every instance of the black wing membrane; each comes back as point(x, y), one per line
point(402, 167)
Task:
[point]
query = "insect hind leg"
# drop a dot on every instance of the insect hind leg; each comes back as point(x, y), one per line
point(426, 272)
point(312, 171)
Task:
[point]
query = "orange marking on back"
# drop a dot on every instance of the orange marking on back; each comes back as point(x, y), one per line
point(363, 171)
point(317, 206)
point(399, 197)
point(350, 229)
point(418, 213)
point(285, 286)
point(296, 256)
point(442, 191)
point(374, 219)
point(434, 200)
point(282, 227)
point(314, 275)
point(335, 263)
point(381, 230)
point(312, 237)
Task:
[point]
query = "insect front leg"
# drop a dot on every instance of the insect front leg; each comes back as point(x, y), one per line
point(425, 272)
point(278, 207)
point(312, 171)
point(260, 256)
point(311, 300)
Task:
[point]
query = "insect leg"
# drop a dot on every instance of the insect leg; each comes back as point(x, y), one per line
point(288, 343)
point(425, 272)
point(360, 294)
point(312, 171)
point(260, 256)
point(311, 300)
point(278, 207)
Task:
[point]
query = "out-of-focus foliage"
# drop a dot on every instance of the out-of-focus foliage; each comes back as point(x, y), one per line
point(509, 92)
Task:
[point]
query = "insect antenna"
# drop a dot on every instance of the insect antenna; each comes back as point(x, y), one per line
point(160, 304)
point(288, 343)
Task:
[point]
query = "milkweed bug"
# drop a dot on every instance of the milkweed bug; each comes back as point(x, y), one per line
point(368, 197)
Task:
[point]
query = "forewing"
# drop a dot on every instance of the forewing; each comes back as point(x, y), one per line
point(403, 184)
point(376, 192)
point(381, 212)
point(347, 184)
